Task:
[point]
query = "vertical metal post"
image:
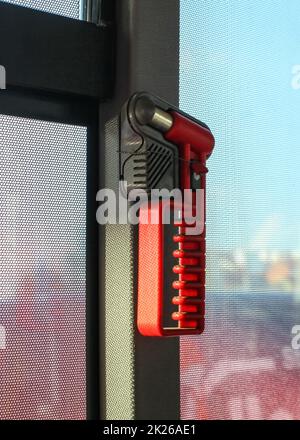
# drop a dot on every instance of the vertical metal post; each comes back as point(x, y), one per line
point(139, 375)
point(90, 10)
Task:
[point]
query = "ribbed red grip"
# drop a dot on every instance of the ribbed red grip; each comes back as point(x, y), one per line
point(195, 144)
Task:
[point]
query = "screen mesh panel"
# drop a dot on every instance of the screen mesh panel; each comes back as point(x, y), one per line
point(42, 269)
point(240, 73)
point(67, 8)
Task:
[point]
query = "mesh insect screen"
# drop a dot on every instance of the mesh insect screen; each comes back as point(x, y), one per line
point(239, 72)
point(67, 8)
point(42, 269)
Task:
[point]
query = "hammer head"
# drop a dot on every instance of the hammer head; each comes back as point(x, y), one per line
point(152, 133)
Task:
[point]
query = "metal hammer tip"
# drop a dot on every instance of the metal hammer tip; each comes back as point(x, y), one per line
point(147, 113)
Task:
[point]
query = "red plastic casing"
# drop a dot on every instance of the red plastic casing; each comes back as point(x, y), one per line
point(195, 144)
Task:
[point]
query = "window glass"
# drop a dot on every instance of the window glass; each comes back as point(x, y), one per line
point(68, 8)
point(42, 269)
point(240, 73)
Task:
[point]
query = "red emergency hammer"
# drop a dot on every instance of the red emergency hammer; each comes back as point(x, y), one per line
point(195, 144)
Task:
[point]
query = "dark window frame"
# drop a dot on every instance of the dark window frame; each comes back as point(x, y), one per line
point(65, 77)
point(48, 52)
